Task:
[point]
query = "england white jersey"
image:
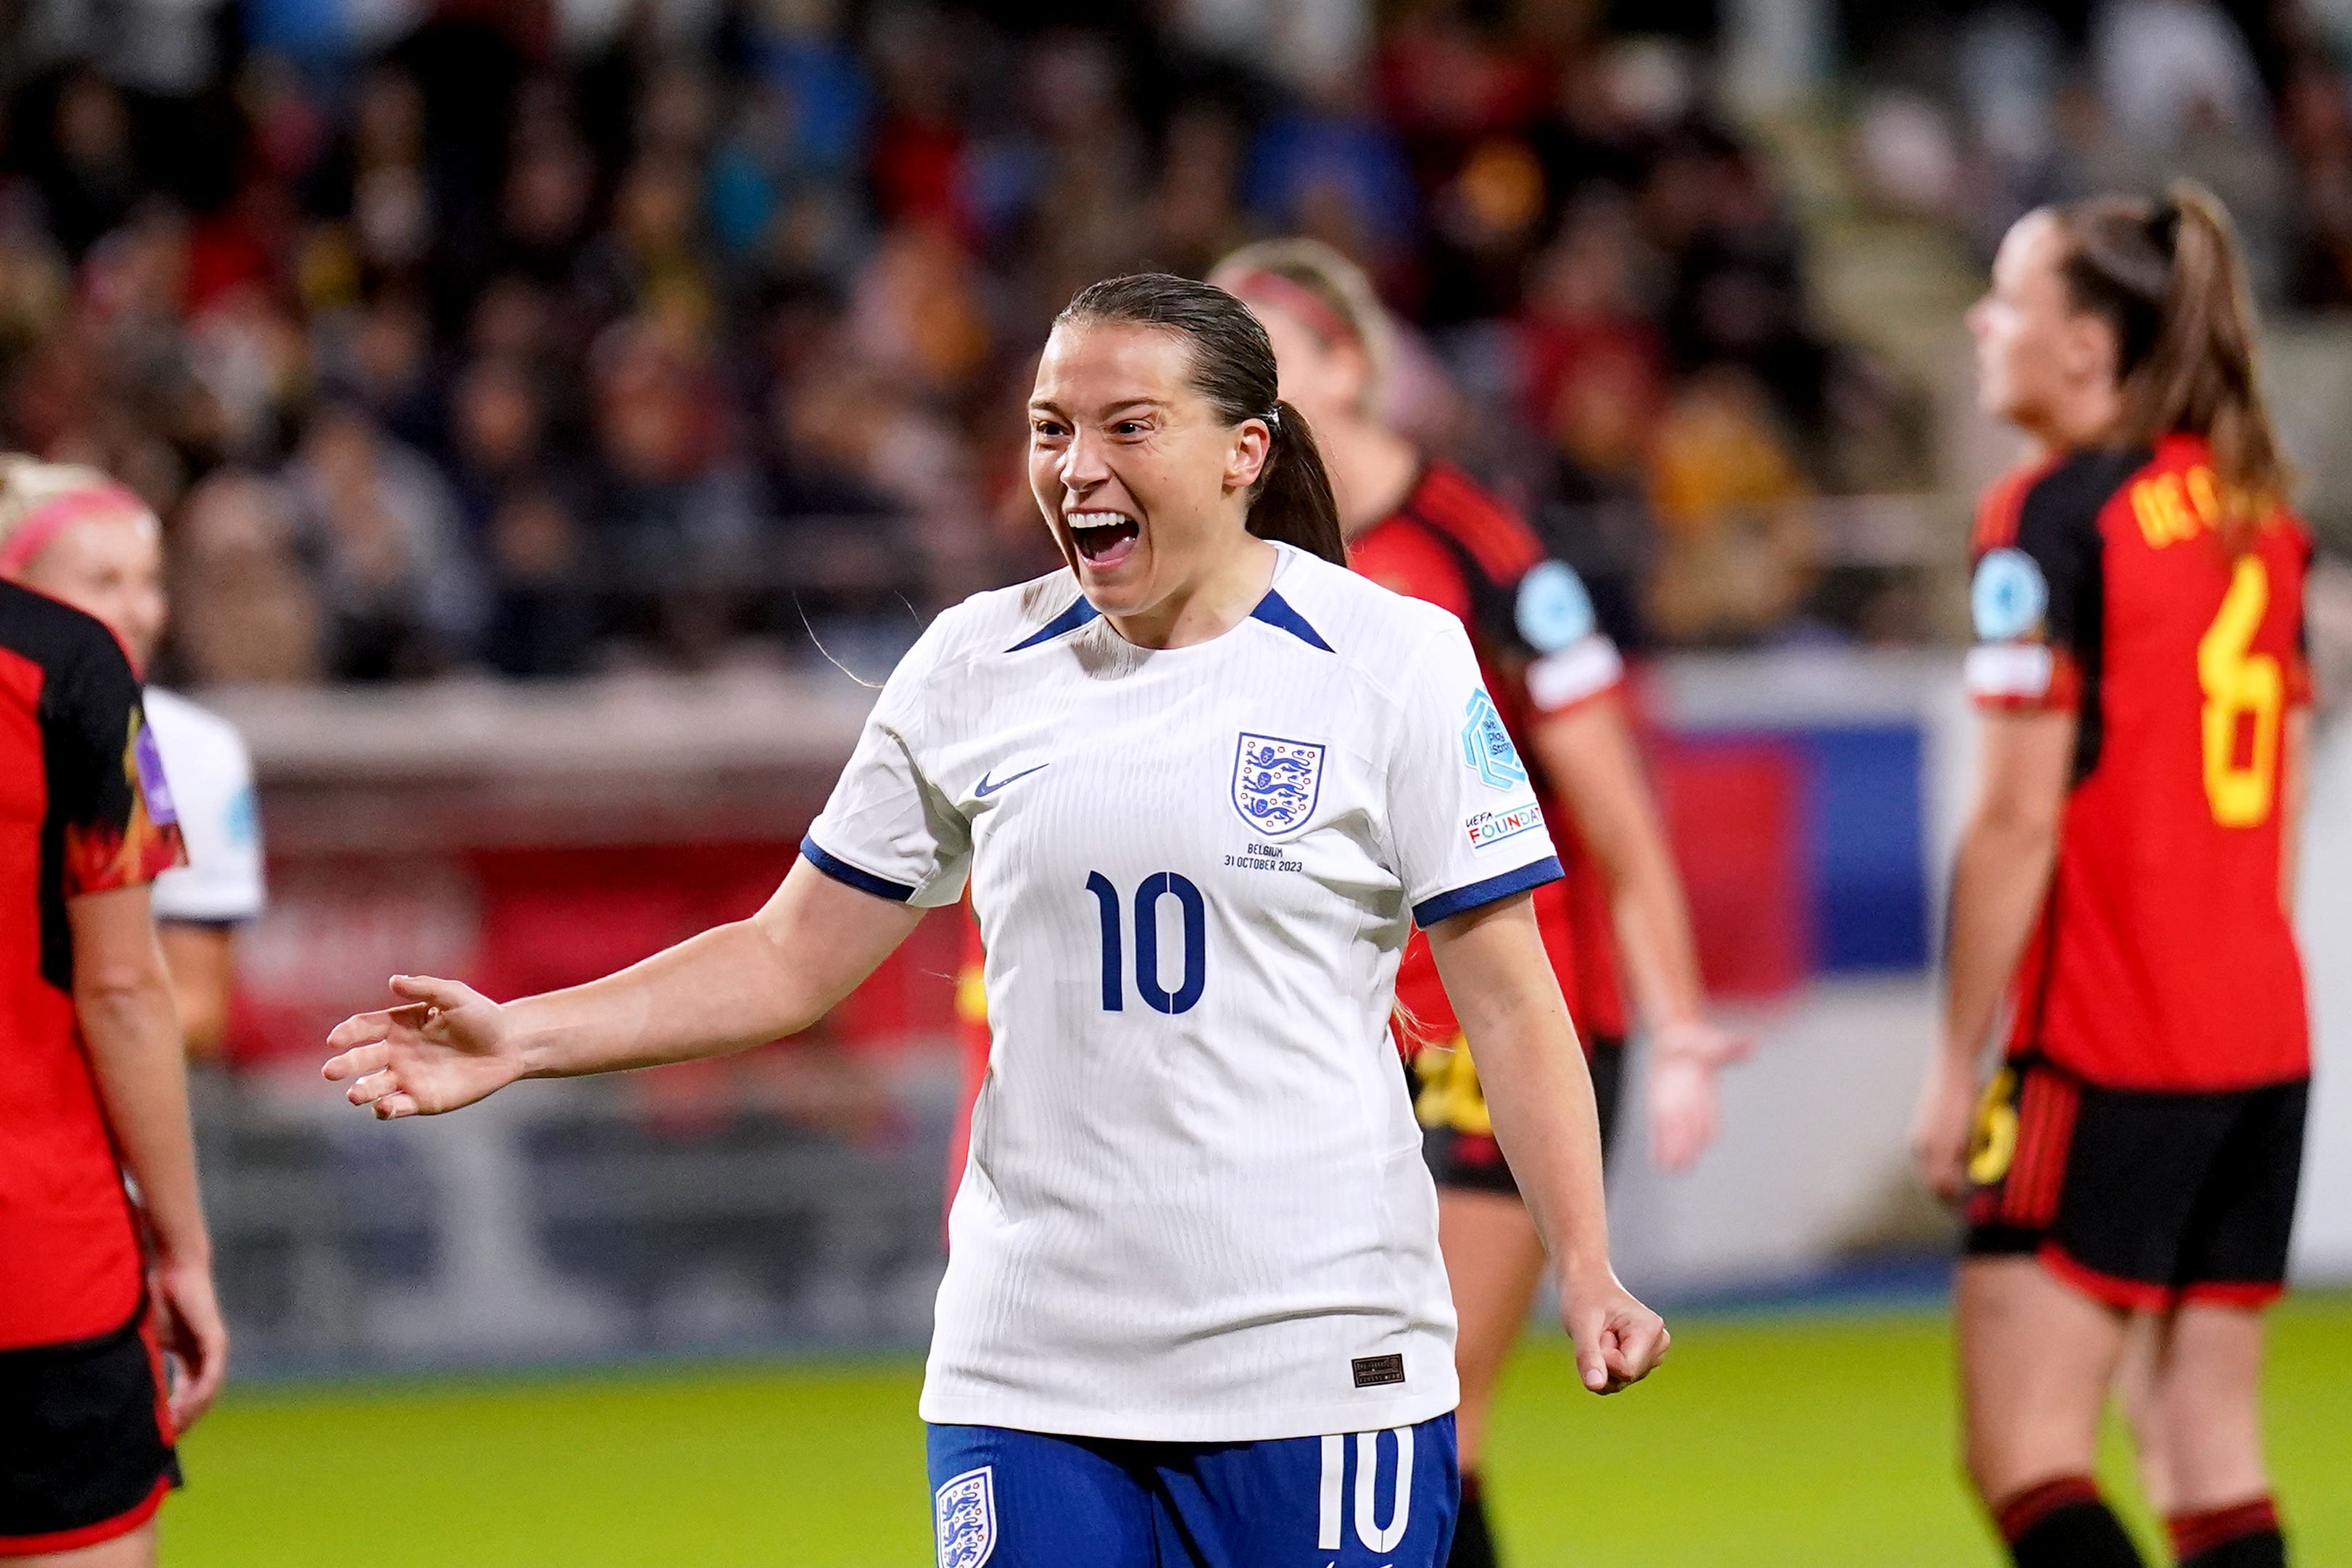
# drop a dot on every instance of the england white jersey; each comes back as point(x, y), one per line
point(1195, 1208)
point(211, 777)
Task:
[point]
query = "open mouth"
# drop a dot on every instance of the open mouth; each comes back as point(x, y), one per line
point(1103, 540)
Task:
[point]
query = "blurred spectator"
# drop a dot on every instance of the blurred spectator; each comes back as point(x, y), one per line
point(1196, 209)
point(1315, 44)
point(381, 358)
point(1583, 318)
point(1593, 373)
point(390, 204)
point(2318, 131)
point(242, 606)
point(497, 438)
point(88, 178)
point(650, 259)
point(676, 516)
point(35, 287)
point(400, 594)
point(1335, 174)
point(550, 185)
point(250, 365)
point(542, 610)
point(2161, 64)
point(1737, 558)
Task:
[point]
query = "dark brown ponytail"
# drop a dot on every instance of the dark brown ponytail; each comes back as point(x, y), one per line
point(1233, 368)
point(2166, 276)
point(1294, 502)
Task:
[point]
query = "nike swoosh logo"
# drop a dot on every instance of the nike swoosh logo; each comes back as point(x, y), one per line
point(986, 786)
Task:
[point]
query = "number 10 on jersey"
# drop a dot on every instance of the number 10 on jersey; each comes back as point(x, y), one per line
point(1154, 889)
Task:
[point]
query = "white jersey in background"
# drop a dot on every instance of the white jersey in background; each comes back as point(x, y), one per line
point(1195, 1208)
point(211, 777)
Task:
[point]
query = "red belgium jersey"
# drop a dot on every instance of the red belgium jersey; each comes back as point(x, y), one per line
point(1542, 653)
point(2163, 959)
point(83, 809)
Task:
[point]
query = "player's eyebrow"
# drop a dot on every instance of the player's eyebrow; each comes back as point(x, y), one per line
point(1047, 405)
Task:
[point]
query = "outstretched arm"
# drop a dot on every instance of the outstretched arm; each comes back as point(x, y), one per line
point(732, 987)
point(1508, 1003)
point(1589, 751)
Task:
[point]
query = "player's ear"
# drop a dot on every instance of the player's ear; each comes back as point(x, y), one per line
point(1248, 453)
point(2086, 347)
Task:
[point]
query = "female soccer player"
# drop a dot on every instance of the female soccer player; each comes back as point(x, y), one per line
point(1203, 783)
point(2124, 884)
point(1421, 527)
point(75, 535)
point(92, 1087)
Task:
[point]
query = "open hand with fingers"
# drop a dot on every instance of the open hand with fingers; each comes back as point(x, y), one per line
point(1682, 1101)
point(447, 1047)
point(1619, 1341)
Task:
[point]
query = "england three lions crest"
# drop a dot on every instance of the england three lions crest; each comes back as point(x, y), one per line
point(1276, 781)
point(965, 1512)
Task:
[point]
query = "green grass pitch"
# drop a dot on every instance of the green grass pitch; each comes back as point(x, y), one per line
point(1820, 1441)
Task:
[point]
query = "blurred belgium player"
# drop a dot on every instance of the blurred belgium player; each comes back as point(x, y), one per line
point(1421, 527)
point(76, 536)
point(2123, 886)
point(95, 1316)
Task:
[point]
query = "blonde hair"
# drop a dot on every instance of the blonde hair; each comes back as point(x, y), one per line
point(1337, 284)
point(2166, 276)
point(38, 500)
point(29, 484)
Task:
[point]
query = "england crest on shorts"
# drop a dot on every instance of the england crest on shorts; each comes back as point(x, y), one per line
point(965, 1512)
point(1486, 748)
point(1275, 781)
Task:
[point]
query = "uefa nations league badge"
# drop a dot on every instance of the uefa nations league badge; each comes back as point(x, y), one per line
point(2009, 597)
point(1275, 781)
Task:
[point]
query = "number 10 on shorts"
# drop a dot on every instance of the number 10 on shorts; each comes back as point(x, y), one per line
point(1375, 1535)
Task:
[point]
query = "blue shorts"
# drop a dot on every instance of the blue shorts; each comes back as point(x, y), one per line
point(1003, 1498)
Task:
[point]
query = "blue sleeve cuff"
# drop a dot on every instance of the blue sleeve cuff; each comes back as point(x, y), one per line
point(841, 870)
point(1445, 905)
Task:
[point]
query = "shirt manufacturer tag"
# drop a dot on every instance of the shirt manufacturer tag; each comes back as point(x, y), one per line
point(1378, 1370)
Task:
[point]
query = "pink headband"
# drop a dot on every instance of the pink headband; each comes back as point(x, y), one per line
point(53, 516)
point(1290, 294)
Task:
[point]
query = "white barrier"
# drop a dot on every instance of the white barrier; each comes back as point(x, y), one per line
point(2324, 1231)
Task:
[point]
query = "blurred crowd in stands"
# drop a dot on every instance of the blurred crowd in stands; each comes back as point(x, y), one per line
point(474, 335)
point(2018, 105)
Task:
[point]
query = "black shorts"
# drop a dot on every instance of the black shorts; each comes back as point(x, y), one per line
point(2140, 1198)
point(85, 1448)
point(1457, 1139)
